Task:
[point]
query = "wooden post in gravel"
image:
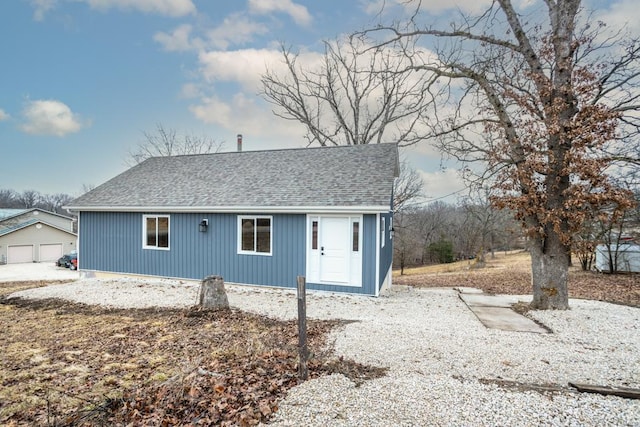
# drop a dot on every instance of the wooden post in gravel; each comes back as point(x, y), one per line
point(303, 351)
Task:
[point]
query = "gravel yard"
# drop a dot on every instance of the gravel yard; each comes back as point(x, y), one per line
point(445, 367)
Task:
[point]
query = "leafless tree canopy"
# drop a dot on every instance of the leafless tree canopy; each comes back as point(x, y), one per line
point(33, 199)
point(354, 95)
point(407, 188)
point(472, 227)
point(541, 108)
point(167, 142)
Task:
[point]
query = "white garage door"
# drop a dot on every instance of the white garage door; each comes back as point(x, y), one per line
point(50, 252)
point(20, 254)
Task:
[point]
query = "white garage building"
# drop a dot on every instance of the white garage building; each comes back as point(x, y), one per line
point(34, 235)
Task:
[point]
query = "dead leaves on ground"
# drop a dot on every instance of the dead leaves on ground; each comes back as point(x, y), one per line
point(72, 364)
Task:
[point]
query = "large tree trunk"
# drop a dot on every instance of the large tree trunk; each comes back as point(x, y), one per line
point(549, 274)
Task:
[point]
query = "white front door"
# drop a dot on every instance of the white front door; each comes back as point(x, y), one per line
point(334, 249)
point(334, 245)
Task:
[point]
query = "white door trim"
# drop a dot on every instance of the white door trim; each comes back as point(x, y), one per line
point(353, 263)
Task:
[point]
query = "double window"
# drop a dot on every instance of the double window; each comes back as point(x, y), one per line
point(254, 235)
point(155, 231)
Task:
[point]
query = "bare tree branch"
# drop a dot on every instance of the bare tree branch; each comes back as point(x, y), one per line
point(167, 142)
point(357, 95)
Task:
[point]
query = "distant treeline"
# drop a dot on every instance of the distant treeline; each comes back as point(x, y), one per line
point(28, 199)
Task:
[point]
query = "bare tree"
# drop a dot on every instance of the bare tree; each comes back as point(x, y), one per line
point(407, 188)
point(484, 217)
point(535, 106)
point(29, 199)
point(54, 202)
point(406, 242)
point(9, 199)
point(429, 224)
point(351, 97)
point(167, 142)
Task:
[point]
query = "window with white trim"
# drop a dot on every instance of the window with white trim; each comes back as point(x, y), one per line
point(155, 231)
point(254, 235)
point(355, 235)
point(382, 230)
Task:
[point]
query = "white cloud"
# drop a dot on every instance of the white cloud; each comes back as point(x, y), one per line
point(162, 7)
point(235, 29)
point(41, 7)
point(190, 90)
point(4, 115)
point(387, 7)
point(173, 8)
point(249, 116)
point(621, 14)
point(49, 117)
point(179, 39)
point(246, 66)
point(442, 183)
point(297, 12)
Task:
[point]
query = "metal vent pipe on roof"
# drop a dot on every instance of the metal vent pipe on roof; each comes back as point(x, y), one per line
point(239, 142)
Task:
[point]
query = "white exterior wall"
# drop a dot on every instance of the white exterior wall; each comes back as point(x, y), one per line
point(628, 257)
point(36, 235)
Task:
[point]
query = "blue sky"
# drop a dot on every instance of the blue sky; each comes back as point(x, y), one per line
point(83, 79)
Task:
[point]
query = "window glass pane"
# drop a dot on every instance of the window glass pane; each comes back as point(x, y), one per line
point(263, 240)
point(163, 232)
point(247, 234)
point(151, 231)
point(356, 236)
point(314, 235)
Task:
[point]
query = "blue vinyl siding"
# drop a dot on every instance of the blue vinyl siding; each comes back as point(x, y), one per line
point(112, 242)
point(386, 252)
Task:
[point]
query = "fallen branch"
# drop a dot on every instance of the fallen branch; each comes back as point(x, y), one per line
point(628, 393)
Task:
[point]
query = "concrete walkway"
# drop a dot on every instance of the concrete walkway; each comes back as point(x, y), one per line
point(495, 312)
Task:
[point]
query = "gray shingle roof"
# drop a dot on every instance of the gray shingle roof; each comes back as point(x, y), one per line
point(343, 176)
point(7, 213)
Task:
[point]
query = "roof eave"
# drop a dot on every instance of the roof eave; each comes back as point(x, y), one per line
point(235, 209)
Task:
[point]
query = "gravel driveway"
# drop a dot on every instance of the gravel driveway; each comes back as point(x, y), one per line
point(445, 367)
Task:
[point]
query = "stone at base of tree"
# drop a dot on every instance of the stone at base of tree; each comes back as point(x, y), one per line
point(212, 295)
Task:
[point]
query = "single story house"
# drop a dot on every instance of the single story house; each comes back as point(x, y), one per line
point(252, 217)
point(34, 235)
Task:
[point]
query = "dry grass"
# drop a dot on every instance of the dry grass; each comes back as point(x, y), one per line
point(61, 361)
point(511, 260)
point(510, 273)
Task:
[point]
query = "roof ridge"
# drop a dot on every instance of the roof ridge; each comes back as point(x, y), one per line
point(275, 150)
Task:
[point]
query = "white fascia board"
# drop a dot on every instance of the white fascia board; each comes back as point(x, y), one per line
point(235, 209)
